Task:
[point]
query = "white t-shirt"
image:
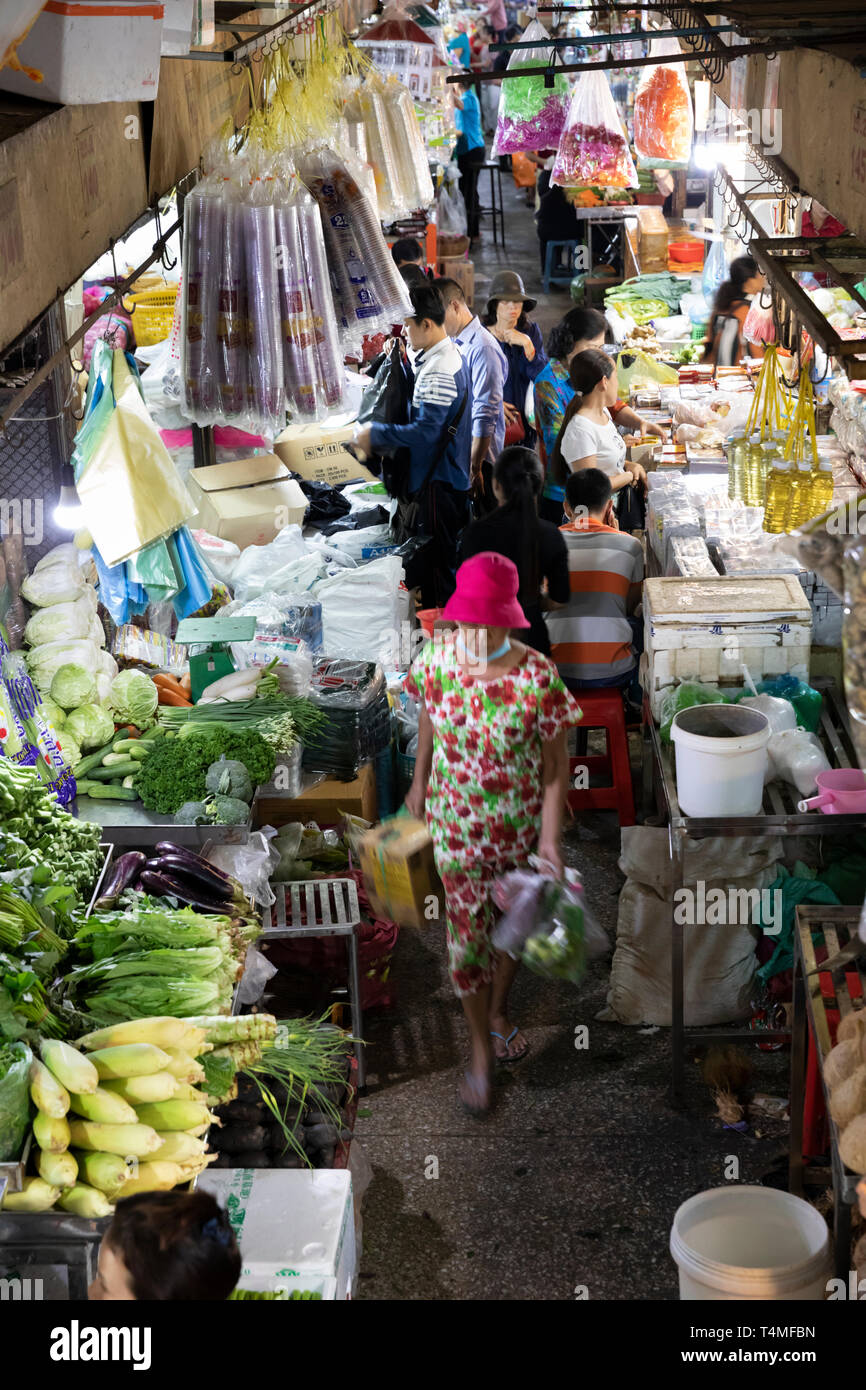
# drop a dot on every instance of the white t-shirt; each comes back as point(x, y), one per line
point(583, 437)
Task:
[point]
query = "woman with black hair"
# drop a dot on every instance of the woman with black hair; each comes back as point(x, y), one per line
point(535, 546)
point(167, 1247)
point(589, 438)
point(726, 344)
point(508, 308)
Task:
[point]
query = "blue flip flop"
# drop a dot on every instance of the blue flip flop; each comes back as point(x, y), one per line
point(506, 1060)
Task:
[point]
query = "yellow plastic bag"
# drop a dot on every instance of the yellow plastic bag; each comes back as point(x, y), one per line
point(636, 368)
point(129, 489)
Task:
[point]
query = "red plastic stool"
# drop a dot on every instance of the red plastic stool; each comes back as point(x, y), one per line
point(603, 709)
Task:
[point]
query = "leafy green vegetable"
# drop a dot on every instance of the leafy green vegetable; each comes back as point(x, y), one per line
point(53, 713)
point(133, 699)
point(90, 725)
point(15, 1060)
point(228, 777)
point(176, 771)
point(229, 810)
point(73, 685)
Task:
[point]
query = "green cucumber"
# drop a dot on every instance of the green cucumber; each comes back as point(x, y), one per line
point(116, 772)
point(94, 759)
point(99, 791)
point(112, 759)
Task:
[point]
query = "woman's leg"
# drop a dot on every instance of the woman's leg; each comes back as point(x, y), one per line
point(499, 1020)
point(472, 962)
point(470, 195)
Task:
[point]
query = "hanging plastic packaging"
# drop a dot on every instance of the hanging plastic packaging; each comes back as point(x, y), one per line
point(266, 382)
point(663, 119)
point(759, 325)
point(232, 319)
point(369, 103)
point(329, 358)
point(203, 216)
point(593, 149)
point(298, 331)
point(531, 115)
point(715, 270)
point(413, 170)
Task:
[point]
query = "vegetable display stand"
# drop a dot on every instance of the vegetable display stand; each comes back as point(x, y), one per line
point(778, 816)
point(822, 998)
point(323, 907)
point(127, 825)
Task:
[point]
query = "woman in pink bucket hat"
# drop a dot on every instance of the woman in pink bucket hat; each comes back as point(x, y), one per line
point(491, 775)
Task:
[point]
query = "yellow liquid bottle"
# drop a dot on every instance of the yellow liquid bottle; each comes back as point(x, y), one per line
point(778, 496)
point(821, 491)
point(770, 452)
point(753, 471)
point(801, 489)
point(737, 446)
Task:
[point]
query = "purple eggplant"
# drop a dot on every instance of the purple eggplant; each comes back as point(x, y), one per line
point(162, 886)
point(166, 847)
point(123, 875)
point(199, 875)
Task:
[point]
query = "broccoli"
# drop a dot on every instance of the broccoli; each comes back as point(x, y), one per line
point(192, 813)
point(176, 772)
point(230, 778)
point(229, 810)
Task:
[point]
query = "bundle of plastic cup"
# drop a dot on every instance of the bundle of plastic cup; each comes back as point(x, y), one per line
point(592, 149)
point(259, 335)
point(531, 115)
point(370, 295)
point(413, 170)
point(368, 104)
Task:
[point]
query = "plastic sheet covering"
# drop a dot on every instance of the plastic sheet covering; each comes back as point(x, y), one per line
point(663, 120)
point(531, 115)
point(329, 359)
point(266, 382)
point(593, 148)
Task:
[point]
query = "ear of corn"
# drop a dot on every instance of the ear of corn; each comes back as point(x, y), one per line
point(174, 1114)
point(36, 1195)
point(60, 1170)
point(142, 1090)
point(107, 1172)
point(82, 1200)
point(186, 1092)
point(50, 1134)
point(183, 1066)
point(129, 1059)
point(179, 1147)
point(159, 1032)
point(157, 1176)
point(193, 1166)
point(129, 1141)
point(46, 1091)
point(73, 1071)
point(105, 1107)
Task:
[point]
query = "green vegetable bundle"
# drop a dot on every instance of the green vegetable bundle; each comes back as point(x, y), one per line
point(176, 770)
point(15, 1060)
point(30, 812)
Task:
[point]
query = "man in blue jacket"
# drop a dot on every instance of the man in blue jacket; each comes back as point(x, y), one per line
point(439, 440)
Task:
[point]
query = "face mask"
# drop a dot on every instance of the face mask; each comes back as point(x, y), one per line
point(491, 656)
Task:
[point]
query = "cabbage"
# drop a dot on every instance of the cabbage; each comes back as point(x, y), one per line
point(106, 663)
point(90, 725)
point(65, 554)
point(53, 713)
point(59, 583)
point(72, 686)
point(103, 688)
point(69, 748)
point(133, 699)
point(61, 620)
point(95, 630)
point(43, 662)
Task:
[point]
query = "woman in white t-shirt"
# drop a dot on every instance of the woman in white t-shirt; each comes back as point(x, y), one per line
point(588, 437)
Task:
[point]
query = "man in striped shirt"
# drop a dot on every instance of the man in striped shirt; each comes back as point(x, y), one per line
point(593, 637)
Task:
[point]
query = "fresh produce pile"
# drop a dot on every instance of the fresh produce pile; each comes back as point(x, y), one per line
point(15, 1060)
point(306, 851)
point(185, 776)
point(40, 838)
point(65, 630)
point(116, 1114)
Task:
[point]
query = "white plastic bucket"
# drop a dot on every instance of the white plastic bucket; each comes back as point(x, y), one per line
point(721, 759)
point(741, 1243)
point(91, 51)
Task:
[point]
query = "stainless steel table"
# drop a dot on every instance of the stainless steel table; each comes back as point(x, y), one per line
point(778, 816)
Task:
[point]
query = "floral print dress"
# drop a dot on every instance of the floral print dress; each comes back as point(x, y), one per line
point(485, 792)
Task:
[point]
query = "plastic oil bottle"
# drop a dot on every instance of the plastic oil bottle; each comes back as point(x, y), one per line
point(737, 446)
point(801, 490)
point(821, 492)
point(753, 473)
point(778, 495)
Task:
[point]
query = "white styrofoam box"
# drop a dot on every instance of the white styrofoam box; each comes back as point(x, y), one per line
point(827, 610)
point(290, 1223)
point(91, 52)
point(706, 629)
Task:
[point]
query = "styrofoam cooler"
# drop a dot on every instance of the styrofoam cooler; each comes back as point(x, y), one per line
point(706, 629)
point(88, 52)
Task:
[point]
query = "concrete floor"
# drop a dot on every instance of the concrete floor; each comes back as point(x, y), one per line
point(569, 1188)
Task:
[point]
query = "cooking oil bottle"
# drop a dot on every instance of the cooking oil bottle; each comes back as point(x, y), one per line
point(753, 473)
point(737, 446)
point(778, 495)
point(801, 489)
point(821, 492)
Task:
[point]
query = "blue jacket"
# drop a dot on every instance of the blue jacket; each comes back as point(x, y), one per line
point(488, 366)
point(441, 382)
point(520, 371)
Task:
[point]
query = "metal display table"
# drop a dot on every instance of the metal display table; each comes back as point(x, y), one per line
point(612, 219)
point(779, 816)
point(834, 927)
point(53, 1247)
point(323, 907)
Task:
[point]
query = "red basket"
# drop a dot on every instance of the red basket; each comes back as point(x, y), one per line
point(688, 251)
point(428, 617)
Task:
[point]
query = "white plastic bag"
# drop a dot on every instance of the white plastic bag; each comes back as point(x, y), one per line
point(262, 567)
point(371, 590)
point(220, 556)
point(452, 209)
point(795, 756)
point(780, 713)
point(250, 859)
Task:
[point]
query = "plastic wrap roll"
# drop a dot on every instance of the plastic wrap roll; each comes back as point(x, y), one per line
point(202, 237)
point(329, 359)
point(299, 345)
point(266, 398)
point(232, 321)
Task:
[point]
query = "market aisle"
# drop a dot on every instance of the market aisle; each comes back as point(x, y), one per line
point(574, 1179)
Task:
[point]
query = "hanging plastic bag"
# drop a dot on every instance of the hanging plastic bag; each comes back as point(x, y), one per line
point(250, 859)
point(759, 325)
point(663, 119)
point(15, 1062)
point(715, 270)
point(452, 208)
point(593, 149)
point(531, 114)
point(635, 367)
point(413, 169)
point(266, 382)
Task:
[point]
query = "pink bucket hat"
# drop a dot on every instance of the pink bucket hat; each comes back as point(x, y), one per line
point(486, 593)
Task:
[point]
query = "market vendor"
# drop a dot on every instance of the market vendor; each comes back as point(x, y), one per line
point(580, 330)
point(726, 344)
point(167, 1247)
point(507, 317)
point(491, 775)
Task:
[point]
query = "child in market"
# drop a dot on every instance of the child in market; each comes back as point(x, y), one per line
point(167, 1247)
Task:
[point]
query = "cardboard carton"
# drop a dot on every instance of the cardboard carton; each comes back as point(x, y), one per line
point(463, 271)
point(247, 501)
point(316, 451)
point(399, 873)
point(326, 803)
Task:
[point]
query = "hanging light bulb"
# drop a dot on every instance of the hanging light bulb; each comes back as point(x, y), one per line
point(69, 513)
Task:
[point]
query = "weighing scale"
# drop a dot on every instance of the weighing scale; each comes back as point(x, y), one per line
point(215, 635)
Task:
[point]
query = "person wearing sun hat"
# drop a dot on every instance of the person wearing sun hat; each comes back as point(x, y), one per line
point(508, 307)
point(491, 777)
